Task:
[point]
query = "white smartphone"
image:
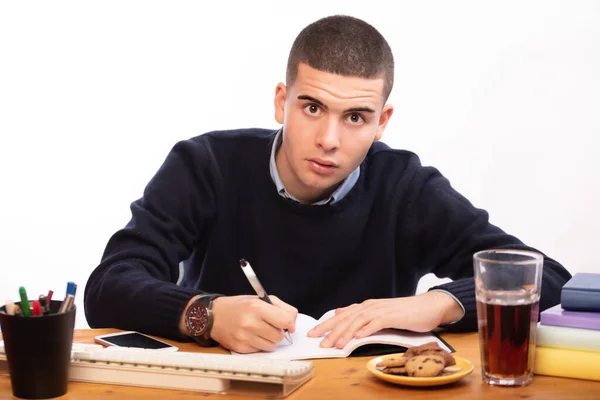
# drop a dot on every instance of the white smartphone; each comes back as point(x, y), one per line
point(135, 340)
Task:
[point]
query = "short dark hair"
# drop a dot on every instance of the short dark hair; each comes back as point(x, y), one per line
point(343, 45)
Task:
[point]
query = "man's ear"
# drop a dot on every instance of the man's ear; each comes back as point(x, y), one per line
point(279, 102)
point(385, 116)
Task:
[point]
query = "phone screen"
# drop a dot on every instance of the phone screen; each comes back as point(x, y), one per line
point(136, 340)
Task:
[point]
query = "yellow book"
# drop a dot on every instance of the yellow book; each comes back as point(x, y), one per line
point(567, 363)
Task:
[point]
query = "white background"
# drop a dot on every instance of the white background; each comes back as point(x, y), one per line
point(503, 97)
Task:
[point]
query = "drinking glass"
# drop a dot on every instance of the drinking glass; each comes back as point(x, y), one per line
point(507, 287)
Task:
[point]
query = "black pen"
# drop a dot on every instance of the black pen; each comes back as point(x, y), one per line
point(260, 291)
point(44, 304)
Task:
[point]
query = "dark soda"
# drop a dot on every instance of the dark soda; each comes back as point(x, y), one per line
point(507, 338)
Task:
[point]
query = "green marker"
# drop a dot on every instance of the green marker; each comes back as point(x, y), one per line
point(25, 309)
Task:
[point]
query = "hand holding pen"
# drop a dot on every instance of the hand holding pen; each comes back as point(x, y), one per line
point(258, 288)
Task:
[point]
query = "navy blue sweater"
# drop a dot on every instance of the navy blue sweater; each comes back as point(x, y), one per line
point(213, 202)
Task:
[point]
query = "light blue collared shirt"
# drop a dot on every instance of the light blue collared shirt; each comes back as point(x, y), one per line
point(336, 196)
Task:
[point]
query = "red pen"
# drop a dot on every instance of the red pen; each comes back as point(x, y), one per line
point(49, 300)
point(36, 308)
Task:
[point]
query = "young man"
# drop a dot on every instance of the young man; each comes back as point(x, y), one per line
point(328, 217)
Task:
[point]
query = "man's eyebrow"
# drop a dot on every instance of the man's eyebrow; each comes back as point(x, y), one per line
point(360, 109)
point(320, 103)
point(312, 99)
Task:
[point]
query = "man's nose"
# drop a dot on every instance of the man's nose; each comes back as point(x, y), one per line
point(329, 137)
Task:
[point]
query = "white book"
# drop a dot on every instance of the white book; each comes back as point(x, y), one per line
point(305, 347)
point(568, 338)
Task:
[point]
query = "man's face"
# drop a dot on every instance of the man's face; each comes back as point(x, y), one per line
point(329, 123)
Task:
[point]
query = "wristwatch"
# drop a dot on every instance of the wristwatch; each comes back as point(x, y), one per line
point(199, 320)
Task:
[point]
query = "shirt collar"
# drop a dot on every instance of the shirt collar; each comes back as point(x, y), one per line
point(336, 196)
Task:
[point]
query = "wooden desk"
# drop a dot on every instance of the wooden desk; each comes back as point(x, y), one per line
point(348, 379)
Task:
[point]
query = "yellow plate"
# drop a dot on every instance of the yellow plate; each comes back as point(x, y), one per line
point(460, 370)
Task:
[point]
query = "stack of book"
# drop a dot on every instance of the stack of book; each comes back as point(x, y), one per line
point(568, 334)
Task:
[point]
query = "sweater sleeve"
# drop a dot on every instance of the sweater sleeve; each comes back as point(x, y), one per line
point(134, 287)
point(445, 230)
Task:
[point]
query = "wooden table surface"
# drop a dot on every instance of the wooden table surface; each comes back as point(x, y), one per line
point(348, 379)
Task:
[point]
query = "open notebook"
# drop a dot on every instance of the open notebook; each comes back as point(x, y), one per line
point(305, 347)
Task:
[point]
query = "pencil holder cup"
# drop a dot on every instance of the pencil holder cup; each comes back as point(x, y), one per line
point(38, 351)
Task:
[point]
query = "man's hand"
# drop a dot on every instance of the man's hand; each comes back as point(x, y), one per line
point(420, 313)
point(246, 324)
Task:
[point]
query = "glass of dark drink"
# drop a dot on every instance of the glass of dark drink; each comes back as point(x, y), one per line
point(507, 286)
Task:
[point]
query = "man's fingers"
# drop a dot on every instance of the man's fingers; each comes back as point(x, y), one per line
point(354, 319)
point(336, 332)
point(292, 311)
point(340, 314)
point(342, 310)
point(269, 332)
point(324, 327)
point(343, 333)
point(331, 323)
point(246, 324)
point(283, 305)
point(368, 329)
point(275, 316)
point(244, 348)
point(263, 344)
point(357, 323)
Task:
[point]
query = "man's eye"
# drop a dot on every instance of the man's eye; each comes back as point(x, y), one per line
point(356, 119)
point(312, 109)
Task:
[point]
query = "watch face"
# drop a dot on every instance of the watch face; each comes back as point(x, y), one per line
point(197, 319)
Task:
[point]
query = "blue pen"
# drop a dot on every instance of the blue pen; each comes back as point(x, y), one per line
point(67, 303)
point(71, 288)
point(25, 309)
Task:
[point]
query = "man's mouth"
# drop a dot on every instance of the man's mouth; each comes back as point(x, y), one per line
point(321, 166)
